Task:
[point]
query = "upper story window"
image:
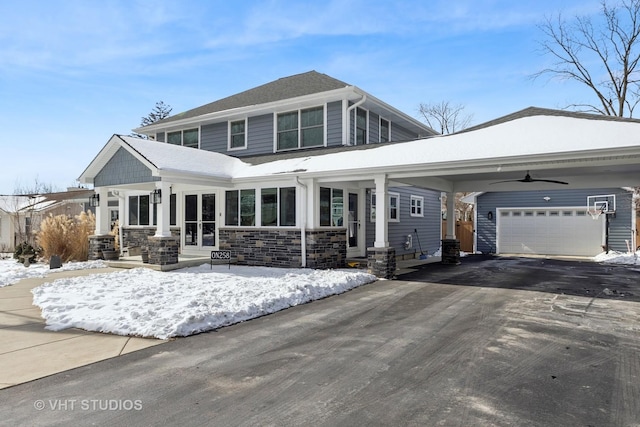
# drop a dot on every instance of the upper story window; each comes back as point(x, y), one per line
point(187, 137)
point(361, 126)
point(385, 130)
point(237, 134)
point(301, 129)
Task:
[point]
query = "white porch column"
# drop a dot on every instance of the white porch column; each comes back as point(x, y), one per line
point(103, 225)
point(382, 212)
point(451, 216)
point(163, 228)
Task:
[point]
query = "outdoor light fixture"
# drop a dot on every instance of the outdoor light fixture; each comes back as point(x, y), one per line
point(490, 215)
point(156, 196)
point(94, 201)
point(546, 198)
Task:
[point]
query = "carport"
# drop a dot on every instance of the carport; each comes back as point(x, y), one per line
point(584, 150)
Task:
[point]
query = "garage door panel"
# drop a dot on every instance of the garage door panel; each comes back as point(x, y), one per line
point(549, 232)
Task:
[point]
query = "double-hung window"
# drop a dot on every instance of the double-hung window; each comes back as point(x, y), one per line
point(393, 209)
point(300, 129)
point(385, 130)
point(237, 134)
point(187, 138)
point(416, 205)
point(278, 206)
point(361, 126)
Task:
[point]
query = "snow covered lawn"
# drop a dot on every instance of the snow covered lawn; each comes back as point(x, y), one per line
point(148, 303)
point(11, 271)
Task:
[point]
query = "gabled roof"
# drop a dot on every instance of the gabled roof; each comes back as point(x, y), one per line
point(537, 111)
point(162, 159)
point(287, 87)
point(19, 203)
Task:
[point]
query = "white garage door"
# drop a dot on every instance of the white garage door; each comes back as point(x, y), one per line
point(569, 231)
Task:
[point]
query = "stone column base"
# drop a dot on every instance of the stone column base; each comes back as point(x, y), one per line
point(450, 251)
point(163, 250)
point(99, 243)
point(381, 262)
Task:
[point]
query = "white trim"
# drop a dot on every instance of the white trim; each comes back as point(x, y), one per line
point(380, 119)
point(246, 134)
point(390, 194)
point(421, 213)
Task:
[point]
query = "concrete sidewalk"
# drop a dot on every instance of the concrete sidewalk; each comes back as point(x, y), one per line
point(28, 351)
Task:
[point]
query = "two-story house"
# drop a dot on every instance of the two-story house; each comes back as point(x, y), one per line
point(188, 188)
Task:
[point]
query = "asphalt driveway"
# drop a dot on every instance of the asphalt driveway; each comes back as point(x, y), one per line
point(497, 348)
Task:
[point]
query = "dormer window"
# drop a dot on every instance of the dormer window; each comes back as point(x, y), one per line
point(301, 129)
point(187, 138)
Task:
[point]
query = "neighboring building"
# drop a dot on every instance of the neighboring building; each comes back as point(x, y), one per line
point(275, 221)
point(21, 215)
point(552, 222)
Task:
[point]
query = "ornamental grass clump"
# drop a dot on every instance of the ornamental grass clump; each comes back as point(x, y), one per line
point(66, 237)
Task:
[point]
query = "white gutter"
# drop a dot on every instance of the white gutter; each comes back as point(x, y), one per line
point(303, 227)
point(349, 109)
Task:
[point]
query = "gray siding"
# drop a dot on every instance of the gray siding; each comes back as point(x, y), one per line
point(123, 168)
point(260, 137)
point(398, 133)
point(334, 124)
point(428, 226)
point(214, 137)
point(619, 227)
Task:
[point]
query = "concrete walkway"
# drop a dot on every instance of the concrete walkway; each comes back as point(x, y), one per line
point(28, 351)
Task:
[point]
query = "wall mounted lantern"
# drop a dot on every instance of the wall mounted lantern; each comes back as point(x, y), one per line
point(94, 200)
point(490, 215)
point(156, 196)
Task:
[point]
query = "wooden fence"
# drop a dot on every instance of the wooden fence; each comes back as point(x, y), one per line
point(464, 233)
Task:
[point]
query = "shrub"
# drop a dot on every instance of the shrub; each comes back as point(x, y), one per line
point(66, 237)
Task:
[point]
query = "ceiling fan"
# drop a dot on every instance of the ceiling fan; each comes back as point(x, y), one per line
point(527, 178)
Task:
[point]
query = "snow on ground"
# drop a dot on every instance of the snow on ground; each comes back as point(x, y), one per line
point(144, 302)
point(11, 271)
point(148, 303)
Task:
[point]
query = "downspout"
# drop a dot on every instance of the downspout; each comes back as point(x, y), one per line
point(349, 109)
point(303, 227)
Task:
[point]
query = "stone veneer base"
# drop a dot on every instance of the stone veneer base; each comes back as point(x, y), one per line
point(381, 262)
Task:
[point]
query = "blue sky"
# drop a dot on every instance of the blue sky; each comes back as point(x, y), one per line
point(73, 73)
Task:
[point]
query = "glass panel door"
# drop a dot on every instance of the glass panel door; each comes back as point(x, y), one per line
point(200, 221)
point(208, 220)
point(191, 220)
point(353, 225)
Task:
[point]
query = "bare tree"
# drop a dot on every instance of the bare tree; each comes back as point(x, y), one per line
point(601, 53)
point(160, 111)
point(445, 117)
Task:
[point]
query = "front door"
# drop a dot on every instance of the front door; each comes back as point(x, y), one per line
point(199, 222)
point(355, 230)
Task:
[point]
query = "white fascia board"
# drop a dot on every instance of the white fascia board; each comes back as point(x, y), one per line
point(281, 105)
point(107, 152)
point(415, 122)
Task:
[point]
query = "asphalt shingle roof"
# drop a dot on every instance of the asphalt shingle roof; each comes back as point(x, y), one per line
point(287, 87)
